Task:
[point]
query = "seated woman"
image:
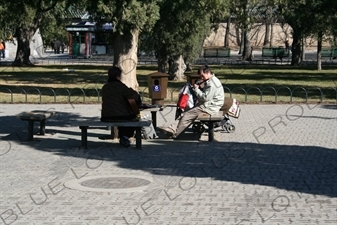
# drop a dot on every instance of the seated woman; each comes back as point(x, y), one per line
point(115, 104)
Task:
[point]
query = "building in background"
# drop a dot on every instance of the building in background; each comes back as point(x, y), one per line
point(87, 39)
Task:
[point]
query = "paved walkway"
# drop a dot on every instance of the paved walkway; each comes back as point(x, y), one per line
point(278, 167)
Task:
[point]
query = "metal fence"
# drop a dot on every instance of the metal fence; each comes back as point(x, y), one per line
point(245, 94)
point(152, 61)
point(209, 61)
point(93, 95)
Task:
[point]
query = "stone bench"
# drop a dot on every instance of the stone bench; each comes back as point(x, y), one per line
point(36, 115)
point(95, 123)
point(210, 120)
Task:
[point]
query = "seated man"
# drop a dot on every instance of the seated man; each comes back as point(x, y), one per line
point(115, 105)
point(210, 100)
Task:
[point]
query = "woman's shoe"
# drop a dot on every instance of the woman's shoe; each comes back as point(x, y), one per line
point(125, 141)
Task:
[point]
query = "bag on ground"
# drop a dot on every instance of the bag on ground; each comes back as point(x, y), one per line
point(148, 132)
point(234, 110)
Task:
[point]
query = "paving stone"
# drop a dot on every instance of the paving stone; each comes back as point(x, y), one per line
point(278, 167)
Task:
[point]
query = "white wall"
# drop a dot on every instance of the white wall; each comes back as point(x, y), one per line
point(36, 46)
point(280, 34)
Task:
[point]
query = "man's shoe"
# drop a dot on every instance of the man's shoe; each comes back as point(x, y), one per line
point(125, 141)
point(169, 131)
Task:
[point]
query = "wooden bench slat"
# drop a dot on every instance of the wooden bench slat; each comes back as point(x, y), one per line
point(91, 123)
point(35, 115)
point(207, 117)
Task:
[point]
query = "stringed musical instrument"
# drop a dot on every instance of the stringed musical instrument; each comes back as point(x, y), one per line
point(134, 107)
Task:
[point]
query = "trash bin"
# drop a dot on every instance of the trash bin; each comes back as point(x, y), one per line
point(158, 87)
point(76, 49)
point(192, 78)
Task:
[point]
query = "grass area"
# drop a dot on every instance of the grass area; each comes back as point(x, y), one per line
point(245, 83)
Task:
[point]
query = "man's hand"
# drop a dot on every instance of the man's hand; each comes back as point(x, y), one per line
point(195, 86)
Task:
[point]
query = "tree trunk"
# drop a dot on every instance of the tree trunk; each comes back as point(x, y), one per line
point(296, 48)
point(125, 57)
point(269, 26)
point(303, 46)
point(24, 37)
point(162, 61)
point(271, 35)
point(238, 38)
point(226, 44)
point(247, 49)
point(319, 51)
point(266, 41)
point(177, 68)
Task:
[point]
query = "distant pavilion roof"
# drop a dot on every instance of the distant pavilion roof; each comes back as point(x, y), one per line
point(88, 26)
point(73, 12)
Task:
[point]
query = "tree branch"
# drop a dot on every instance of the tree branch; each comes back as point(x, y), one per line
point(43, 10)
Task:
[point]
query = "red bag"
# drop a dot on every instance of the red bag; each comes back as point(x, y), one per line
point(186, 98)
point(183, 100)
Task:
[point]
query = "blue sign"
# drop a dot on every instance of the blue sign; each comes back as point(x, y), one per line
point(156, 88)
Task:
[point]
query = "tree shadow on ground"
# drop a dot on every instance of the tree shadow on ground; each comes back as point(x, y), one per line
point(301, 169)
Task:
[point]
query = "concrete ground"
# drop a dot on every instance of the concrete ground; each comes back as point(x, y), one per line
point(278, 167)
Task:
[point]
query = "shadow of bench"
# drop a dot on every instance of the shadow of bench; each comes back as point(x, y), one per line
point(96, 123)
